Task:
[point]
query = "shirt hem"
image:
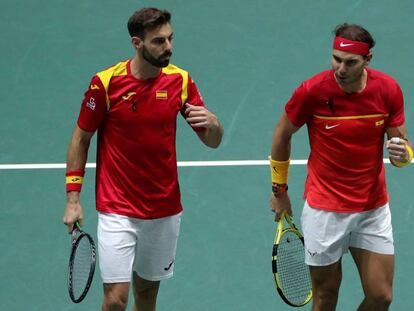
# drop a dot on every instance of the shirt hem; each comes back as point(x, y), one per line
point(347, 210)
point(140, 216)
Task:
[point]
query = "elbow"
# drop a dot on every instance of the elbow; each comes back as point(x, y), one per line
point(214, 145)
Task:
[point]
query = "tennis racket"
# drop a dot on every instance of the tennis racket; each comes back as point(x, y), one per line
point(291, 274)
point(81, 264)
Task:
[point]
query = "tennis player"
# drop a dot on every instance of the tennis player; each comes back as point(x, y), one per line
point(134, 106)
point(347, 110)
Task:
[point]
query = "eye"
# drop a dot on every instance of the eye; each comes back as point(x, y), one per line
point(351, 63)
point(158, 41)
point(337, 59)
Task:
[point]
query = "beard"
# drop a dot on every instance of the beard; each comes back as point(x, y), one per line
point(160, 61)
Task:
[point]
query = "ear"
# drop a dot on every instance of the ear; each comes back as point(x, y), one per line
point(137, 42)
point(368, 59)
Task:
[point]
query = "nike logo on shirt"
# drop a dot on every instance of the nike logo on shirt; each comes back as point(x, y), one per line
point(328, 127)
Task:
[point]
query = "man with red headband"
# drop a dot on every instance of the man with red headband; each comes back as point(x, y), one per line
point(347, 110)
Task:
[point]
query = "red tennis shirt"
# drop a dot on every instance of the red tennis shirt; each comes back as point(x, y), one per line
point(136, 172)
point(346, 136)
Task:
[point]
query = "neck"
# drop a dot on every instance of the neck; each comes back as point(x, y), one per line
point(356, 86)
point(141, 69)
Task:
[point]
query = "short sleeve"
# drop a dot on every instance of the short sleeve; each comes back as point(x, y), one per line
point(396, 106)
point(93, 106)
point(296, 109)
point(194, 98)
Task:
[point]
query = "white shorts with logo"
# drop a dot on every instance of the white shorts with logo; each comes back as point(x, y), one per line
point(328, 235)
point(128, 244)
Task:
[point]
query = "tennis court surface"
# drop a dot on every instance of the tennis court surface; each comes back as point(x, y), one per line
point(246, 57)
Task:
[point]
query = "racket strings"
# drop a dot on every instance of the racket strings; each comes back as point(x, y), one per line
point(293, 273)
point(81, 267)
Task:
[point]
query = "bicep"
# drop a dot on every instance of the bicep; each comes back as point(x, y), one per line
point(285, 128)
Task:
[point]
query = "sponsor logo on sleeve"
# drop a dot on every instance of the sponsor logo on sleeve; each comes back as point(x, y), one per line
point(91, 104)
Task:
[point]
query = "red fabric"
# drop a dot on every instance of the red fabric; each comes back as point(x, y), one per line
point(346, 134)
point(75, 173)
point(354, 47)
point(136, 172)
point(73, 187)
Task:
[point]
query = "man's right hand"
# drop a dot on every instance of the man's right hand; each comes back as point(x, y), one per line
point(73, 211)
point(279, 204)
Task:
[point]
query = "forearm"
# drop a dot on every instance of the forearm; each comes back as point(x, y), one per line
point(77, 156)
point(78, 151)
point(280, 152)
point(212, 136)
point(281, 147)
point(281, 144)
point(75, 164)
point(76, 161)
point(279, 166)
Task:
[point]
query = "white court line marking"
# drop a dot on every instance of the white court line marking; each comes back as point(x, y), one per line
point(36, 166)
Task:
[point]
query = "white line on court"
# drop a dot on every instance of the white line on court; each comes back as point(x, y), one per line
point(38, 166)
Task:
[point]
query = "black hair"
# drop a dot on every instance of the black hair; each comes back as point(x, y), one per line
point(147, 19)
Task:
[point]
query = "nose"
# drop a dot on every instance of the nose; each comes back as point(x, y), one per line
point(342, 68)
point(168, 44)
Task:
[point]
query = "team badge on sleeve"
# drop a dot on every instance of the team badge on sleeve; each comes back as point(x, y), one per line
point(91, 104)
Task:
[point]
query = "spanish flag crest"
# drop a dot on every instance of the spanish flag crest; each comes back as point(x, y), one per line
point(161, 94)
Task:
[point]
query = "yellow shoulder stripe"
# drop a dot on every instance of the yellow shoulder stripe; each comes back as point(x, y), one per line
point(106, 75)
point(171, 69)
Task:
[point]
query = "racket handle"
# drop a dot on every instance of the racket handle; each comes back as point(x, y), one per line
point(76, 226)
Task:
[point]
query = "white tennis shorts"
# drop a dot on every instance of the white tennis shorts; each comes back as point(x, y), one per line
point(328, 235)
point(127, 244)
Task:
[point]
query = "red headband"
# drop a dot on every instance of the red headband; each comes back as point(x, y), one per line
point(354, 47)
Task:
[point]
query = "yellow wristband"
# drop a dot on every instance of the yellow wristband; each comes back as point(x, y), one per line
point(74, 179)
point(410, 157)
point(279, 171)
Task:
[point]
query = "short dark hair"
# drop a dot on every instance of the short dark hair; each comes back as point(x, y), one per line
point(147, 19)
point(354, 32)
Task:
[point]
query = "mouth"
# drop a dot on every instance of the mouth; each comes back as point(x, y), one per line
point(166, 56)
point(341, 78)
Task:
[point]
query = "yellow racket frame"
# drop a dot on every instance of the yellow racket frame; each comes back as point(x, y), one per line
point(279, 233)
